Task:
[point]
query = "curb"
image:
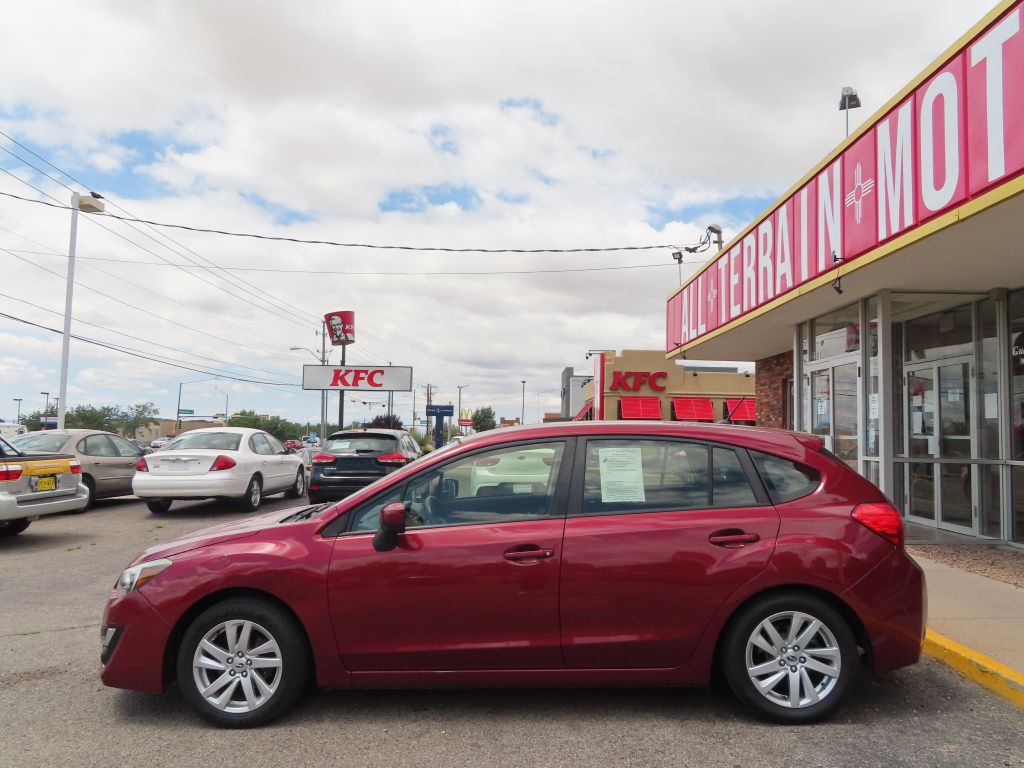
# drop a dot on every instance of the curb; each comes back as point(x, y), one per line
point(989, 673)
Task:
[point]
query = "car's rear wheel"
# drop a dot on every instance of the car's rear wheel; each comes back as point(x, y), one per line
point(90, 485)
point(13, 527)
point(298, 488)
point(242, 662)
point(159, 506)
point(253, 497)
point(791, 657)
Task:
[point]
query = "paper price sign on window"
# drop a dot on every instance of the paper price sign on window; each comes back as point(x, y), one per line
point(622, 474)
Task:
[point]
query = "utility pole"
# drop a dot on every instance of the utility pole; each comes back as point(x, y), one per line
point(430, 389)
point(522, 417)
point(323, 393)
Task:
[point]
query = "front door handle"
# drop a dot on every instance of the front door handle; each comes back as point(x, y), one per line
point(732, 538)
point(527, 555)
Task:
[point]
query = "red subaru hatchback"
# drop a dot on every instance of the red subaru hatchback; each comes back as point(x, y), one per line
point(572, 554)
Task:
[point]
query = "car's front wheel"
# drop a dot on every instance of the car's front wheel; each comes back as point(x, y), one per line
point(791, 657)
point(242, 662)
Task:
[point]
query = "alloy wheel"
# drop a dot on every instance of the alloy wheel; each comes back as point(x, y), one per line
point(237, 666)
point(793, 659)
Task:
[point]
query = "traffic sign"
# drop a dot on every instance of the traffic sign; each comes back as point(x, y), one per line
point(186, 412)
point(440, 410)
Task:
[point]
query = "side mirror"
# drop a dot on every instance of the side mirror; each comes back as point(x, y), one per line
point(392, 525)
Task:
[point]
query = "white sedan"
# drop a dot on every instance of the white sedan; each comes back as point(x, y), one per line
point(225, 462)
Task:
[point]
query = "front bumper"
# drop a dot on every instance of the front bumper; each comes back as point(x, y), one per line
point(136, 635)
point(13, 508)
point(145, 485)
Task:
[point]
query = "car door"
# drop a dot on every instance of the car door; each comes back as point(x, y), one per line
point(284, 465)
point(101, 461)
point(473, 582)
point(128, 453)
point(264, 461)
point(659, 533)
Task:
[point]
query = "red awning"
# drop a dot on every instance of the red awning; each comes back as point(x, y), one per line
point(693, 408)
point(640, 408)
point(584, 411)
point(744, 409)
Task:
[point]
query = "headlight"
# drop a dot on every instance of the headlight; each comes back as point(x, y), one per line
point(134, 577)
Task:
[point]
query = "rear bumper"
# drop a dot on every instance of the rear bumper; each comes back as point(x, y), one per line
point(13, 509)
point(892, 601)
point(148, 486)
point(339, 486)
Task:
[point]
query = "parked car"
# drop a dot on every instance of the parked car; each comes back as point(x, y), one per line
point(108, 460)
point(219, 462)
point(643, 553)
point(9, 430)
point(160, 442)
point(35, 485)
point(294, 445)
point(352, 459)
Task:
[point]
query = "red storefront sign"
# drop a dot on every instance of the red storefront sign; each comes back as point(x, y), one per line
point(957, 135)
point(633, 380)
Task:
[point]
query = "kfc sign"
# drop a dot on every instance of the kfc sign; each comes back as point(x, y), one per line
point(633, 380)
point(358, 378)
point(957, 135)
point(341, 327)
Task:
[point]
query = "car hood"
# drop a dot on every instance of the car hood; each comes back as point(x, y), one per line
point(238, 529)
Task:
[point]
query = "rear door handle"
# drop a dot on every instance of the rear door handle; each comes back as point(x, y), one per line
point(526, 555)
point(737, 539)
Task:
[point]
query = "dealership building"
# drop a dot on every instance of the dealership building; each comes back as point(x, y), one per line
point(882, 296)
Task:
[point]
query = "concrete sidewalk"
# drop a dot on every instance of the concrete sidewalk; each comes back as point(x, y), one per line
point(984, 619)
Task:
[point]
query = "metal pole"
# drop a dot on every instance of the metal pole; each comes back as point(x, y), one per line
point(177, 412)
point(341, 394)
point(46, 411)
point(459, 411)
point(68, 296)
point(847, 110)
point(323, 393)
point(18, 419)
point(522, 416)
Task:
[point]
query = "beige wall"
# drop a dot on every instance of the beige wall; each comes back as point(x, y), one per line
point(678, 383)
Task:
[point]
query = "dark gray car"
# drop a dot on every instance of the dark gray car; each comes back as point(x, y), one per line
point(354, 458)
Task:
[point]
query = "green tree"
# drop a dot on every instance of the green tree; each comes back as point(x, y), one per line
point(135, 417)
point(34, 420)
point(247, 419)
point(483, 419)
point(105, 417)
point(386, 422)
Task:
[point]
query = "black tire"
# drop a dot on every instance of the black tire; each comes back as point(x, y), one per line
point(315, 498)
point(13, 527)
point(797, 667)
point(298, 488)
point(253, 497)
point(288, 679)
point(159, 506)
point(90, 485)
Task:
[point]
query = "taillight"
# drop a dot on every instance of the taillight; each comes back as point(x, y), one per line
point(76, 466)
point(140, 465)
point(222, 462)
point(393, 459)
point(883, 519)
point(10, 471)
point(322, 458)
point(487, 462)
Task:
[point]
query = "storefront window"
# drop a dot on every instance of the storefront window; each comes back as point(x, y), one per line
point(1018, 504)
point(988, 383)
point(989, 523)
point(836, 333)
point(942, 334)
point(871, 432)
point(1016, 301)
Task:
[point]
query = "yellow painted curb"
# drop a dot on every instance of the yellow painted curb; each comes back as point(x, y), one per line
point(998, 678)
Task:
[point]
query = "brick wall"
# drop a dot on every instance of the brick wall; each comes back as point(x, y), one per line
point(770, 375)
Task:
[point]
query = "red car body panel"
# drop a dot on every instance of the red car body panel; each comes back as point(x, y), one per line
point(623, 599)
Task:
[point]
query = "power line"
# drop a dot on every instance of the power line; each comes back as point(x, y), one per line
point(336, 244)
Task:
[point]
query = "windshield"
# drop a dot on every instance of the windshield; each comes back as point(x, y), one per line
point(214, 441)
point(360, 442)
point(40, 442)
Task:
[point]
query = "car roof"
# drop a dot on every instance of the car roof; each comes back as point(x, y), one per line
point(368, 430)
point(232, 430)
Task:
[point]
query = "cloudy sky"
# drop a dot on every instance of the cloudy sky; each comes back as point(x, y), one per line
point(456, 124)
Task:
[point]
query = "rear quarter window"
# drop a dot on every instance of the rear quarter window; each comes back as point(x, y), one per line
point(785, 480)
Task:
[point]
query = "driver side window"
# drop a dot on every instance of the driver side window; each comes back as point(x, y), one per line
point(503, 485)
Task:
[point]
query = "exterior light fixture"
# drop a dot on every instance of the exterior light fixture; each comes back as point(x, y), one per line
point(848, 99)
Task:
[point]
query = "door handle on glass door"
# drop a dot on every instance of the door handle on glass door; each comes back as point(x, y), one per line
point(732, 538)
point(521, 555)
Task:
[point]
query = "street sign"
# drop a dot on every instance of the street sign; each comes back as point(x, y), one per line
point(186, 412)
point(440, 410)
point(357, 378)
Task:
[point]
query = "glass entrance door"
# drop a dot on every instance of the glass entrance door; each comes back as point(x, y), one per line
point(834, 409)
point(940, 438)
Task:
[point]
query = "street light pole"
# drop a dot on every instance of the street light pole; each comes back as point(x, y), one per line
point(461, 387)
point(522, 416)
point(46, 410)
point(18, 419)
point(226, 401)
point(90, 204)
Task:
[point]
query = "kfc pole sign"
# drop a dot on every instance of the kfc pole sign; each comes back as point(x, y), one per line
point(341, 327)
point(958, 134)
point(357, 378)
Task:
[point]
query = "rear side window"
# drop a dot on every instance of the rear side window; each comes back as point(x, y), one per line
point(786, 480)
point(625, 476)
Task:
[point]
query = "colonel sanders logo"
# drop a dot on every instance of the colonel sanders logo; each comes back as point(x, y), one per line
point(341, 327)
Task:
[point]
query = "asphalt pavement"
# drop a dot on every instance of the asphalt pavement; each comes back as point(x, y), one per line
point(55, 577)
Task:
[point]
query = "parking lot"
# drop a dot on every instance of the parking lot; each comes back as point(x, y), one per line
point(55, 711)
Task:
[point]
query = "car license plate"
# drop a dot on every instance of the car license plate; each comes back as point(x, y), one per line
point(45, 483)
